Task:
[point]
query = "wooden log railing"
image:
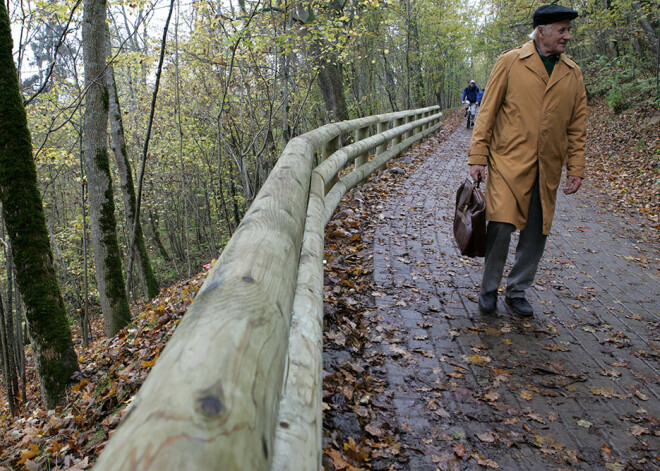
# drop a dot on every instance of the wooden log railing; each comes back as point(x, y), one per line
point(238, 386)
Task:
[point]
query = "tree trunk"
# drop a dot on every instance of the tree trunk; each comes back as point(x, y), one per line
point(156, 237)
point(20, 347)
point(11, 380)
point(651, 35)
point(8, 368)
point(332, 88)
point(22, 208)
point(145, 271)
point(84, 318)
point(109, 277)
point(417, 80)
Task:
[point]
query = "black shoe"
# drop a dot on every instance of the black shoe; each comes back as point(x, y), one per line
point(520, 306)
point(488, 302)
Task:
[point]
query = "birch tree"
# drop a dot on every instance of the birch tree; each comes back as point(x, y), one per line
point(109, 277)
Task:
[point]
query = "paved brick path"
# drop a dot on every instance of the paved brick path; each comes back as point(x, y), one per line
point(576, 387)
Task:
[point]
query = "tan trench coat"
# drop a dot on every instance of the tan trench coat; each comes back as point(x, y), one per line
point(529, 123)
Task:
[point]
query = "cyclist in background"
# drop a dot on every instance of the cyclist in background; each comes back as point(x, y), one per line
point(480, 96)
point(469, 98)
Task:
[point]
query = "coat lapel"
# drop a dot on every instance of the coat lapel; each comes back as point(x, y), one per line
point(561, 70)
point(533, 61)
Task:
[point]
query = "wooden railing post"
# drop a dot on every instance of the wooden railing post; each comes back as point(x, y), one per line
point(398, 122)
point(360, 134)
point(330, 148)
point(410, 133)
point(382, 127)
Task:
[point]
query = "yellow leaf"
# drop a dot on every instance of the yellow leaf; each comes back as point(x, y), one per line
point(77, 387)
point(481, 360)
point(526, 395)
point(605, 392)
point(29, 453)
point(148, 364)
point(491, 396)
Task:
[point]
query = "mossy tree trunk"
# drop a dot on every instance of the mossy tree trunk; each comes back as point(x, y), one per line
point(145, 271)
point(22, 209)
point(109, 276)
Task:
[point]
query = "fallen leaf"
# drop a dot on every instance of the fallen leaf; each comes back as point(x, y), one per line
point(556, 348)
point(338, 460)
point(485, 462)
point(638, 430)
point(614, 466)
point(491, 396)
point(640, 395)
point(584, 423)
point(526, 395)
point(537, 418)
point(82, 464)
point(397, 351)
point(374, 431)
point(486, 437)
point(611, 373)
point(29, 453)
point(605, 391)
point(480, 360)
point(459, 450)
point(572, 456)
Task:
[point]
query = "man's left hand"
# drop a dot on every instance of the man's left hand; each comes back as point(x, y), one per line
point(572, 185)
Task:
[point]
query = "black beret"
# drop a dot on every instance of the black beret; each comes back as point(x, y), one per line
point(552, 13)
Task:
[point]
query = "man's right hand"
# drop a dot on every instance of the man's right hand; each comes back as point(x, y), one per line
point(477, 171)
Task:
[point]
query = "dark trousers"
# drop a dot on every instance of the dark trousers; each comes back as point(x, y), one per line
point(531, 245)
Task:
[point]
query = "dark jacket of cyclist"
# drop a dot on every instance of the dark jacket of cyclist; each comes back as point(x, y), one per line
point(470, 93)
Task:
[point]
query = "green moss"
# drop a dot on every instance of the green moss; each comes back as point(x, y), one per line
point(112, 270)
point(106, 98)
point(152, 284)
point(26, 226)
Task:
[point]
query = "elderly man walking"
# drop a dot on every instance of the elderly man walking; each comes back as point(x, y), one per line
point(532, 122)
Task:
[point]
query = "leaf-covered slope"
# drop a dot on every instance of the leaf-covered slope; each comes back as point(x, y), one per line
point(111, 372)
point(624, 149)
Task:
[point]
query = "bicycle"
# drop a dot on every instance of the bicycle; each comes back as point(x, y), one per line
point(470, 112)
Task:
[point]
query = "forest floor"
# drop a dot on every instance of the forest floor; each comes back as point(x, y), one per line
point(413, 377)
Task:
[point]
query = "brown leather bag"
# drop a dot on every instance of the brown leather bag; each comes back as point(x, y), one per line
point(470, 220)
